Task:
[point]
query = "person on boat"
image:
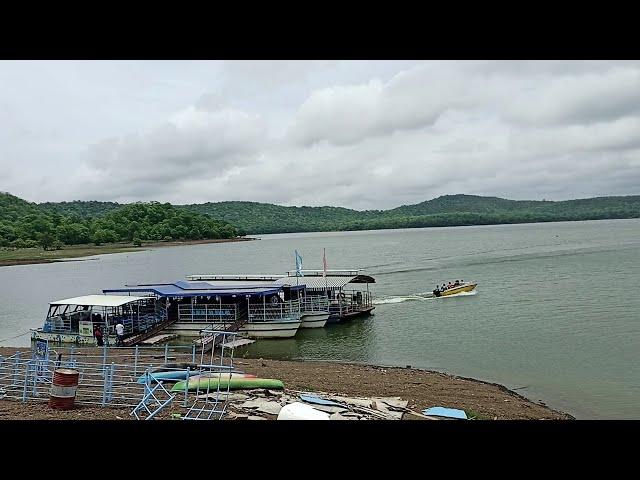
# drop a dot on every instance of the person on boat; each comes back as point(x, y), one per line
point(97, 332)
point(457, 283)
point(120, 333)
point(443, 288)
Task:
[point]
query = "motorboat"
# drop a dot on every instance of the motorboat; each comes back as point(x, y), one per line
point(459, 288)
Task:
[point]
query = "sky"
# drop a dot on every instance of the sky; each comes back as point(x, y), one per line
point(358, 134)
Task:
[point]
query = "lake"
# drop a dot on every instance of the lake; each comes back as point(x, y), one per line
point(555, 315)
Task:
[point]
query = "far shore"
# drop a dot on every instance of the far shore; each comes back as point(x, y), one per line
point(29, 256)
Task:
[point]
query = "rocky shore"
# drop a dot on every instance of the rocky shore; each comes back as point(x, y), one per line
point(421, 388)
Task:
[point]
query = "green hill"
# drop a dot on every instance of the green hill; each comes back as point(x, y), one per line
point(448, 210)
point(26, 224)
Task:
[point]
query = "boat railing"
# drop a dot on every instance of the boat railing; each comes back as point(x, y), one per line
point(350, 301)
point(212, 312)
point(289, 310)
point(58, 324)
point(315, 304)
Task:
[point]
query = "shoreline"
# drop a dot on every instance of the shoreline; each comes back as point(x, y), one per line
point(421, 388)
point(77, 253)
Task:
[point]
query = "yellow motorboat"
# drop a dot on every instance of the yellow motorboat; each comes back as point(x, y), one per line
point(464, 287)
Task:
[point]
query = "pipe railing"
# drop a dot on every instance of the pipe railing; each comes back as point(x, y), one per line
point(272, 312)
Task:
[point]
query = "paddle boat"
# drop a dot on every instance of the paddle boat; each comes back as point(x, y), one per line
point(456, 288)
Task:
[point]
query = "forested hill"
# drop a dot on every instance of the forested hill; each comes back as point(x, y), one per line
point(24, 224)
point(165, 221)
point(83, 209)
point(448, 210)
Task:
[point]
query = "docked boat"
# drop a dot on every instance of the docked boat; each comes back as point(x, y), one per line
point(463, 287)
point(257, 310)
point(344, 302)
point(73, 320)
point(324, 298)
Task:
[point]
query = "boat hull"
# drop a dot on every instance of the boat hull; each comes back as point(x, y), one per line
point(76, 339)
point(462, 288)
point(314, 319)
point(337, 318)
point(275, 329)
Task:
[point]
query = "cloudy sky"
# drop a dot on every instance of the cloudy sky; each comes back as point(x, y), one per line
point(359, 134)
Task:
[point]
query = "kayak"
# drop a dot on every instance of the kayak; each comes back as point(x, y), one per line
point(223, 375)
point(170, 375)
point(233, 384)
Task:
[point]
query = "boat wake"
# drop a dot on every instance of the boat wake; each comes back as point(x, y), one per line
point(399, 299)
point(419, 297)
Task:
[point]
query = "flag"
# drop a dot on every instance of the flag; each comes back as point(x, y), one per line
point(324, 262)
point(298, 265)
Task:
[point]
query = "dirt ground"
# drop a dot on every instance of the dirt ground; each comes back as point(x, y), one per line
point(421, 388)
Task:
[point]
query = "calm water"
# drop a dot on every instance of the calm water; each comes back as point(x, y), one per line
point(556, 311)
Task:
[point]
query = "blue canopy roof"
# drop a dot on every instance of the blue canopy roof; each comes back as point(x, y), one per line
point(196, 289)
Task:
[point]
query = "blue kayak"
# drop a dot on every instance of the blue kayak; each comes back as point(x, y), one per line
point(170, 375)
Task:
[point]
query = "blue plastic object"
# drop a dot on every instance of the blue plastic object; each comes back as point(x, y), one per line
point(445, 412)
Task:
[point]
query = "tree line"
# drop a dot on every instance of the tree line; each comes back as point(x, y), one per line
point(24, 225)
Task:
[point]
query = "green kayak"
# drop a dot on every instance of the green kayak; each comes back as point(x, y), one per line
point(233, 384)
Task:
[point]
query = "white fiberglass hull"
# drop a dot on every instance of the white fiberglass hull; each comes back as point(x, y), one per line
point(314, 319)
point(275, 329)
point(63, 337)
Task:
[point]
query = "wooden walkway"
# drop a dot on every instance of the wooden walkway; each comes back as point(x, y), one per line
point(140, 337)
point(159, 339)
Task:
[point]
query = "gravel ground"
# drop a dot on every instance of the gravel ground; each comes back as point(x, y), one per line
point(421, 388)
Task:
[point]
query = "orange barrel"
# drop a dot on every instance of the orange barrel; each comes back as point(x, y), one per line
point(63, 388)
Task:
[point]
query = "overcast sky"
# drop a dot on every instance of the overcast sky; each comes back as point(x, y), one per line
point(360, 134)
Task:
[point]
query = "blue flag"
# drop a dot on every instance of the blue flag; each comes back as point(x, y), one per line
point(298, 265)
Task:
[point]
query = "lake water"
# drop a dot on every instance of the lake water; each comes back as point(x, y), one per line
point(556, 310)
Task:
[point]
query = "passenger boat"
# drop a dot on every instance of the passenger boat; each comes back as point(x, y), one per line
point(258, 310)
point(464, 287)
point(324, 299)
point(73, 320)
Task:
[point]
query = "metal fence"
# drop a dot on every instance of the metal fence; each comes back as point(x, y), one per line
point(122, 376)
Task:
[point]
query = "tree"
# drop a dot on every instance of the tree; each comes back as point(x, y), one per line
point(46, 240)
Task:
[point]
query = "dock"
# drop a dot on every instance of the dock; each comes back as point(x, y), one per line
point(159, 339)
point(238, 343)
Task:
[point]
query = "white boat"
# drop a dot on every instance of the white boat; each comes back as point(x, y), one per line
point(255, 310)
point(73, 320)
point(314, 311)
point(272, 328)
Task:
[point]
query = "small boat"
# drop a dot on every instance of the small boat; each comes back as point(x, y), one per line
point(463, 287)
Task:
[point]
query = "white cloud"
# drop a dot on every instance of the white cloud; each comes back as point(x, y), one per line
point(357, 134)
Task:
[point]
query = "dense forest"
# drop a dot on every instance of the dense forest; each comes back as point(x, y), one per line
point(448, 210)
point(24, 224)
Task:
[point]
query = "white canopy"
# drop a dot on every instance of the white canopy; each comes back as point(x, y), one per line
point(316, 282)
point(99, 300)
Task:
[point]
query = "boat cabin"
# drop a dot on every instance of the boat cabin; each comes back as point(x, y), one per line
point(73, 320)
point(193, 306)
